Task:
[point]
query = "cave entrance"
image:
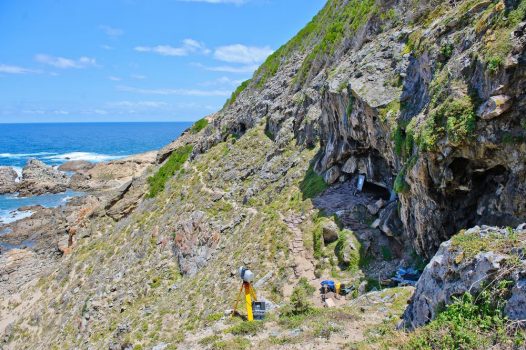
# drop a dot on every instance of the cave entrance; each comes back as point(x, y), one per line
point(469, 199)
point(376, 191)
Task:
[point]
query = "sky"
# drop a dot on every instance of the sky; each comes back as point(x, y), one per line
point(135, 60)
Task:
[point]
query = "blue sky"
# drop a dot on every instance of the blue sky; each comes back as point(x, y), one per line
point(135, 60)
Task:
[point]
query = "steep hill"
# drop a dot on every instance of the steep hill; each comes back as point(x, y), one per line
point(426, 99)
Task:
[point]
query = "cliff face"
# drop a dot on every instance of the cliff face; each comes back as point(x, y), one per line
point(427, 104)
point(424, 98)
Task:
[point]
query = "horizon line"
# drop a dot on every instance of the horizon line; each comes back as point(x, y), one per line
point(101, 122)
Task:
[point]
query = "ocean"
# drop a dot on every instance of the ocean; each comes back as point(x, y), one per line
point(57, 143)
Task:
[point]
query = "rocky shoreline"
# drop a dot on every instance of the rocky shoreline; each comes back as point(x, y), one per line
point(31, 245)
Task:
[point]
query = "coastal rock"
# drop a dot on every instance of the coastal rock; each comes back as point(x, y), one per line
point(460, 267)
point(39, 178)
point(76, 165)
point(114, 174)
point(8, 177)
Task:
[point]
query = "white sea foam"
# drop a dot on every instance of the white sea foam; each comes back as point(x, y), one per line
point(19, 172)
point(7, 217)
point(88, 156)
point(24, 155)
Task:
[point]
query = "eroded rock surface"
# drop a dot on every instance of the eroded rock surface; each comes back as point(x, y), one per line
point(8, 177)
point(39, 178)
point(475, 259)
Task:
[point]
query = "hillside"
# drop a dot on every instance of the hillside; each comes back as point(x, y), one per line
point(426, 99)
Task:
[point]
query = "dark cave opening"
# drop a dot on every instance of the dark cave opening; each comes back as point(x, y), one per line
point(377, 191)
point(469, 198)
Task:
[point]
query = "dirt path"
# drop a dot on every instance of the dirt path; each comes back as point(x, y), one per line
point(303, 265)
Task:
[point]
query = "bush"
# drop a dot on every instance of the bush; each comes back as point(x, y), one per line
point(471, 322)
point(400, 185)
point(199, 125)
point(494, 63)
point(168, 170)
point(339, 250)
point(312, 184)
point(299, 303)
point(246, 328)
point(447, 51)
point(454, 117)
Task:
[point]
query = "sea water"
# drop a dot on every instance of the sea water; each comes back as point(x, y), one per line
point(57, 143)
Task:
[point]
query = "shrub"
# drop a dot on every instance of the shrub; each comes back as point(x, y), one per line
point(316, 241)
point(454, 117)
point(460, 118)
point(312, 184)
point(399, 140)
point(199, 125)
point(400, 185)
point(299, 303)
point(494, 63)
point(168, 170)
point(304, 283)
point(447, 50)
point(246, 328)
point(232, 344)
point(339, 250)
point(471, 322)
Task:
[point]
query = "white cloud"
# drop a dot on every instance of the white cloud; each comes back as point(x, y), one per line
point(188, 46)
point(107, 47)
point(113, 78)
point(111, 31)
point(236, 2)
point(66, 63)
point(222, 81)
point(138, 104)
point(8, 69)
point(180, 92)
point(138, 76)
point(244, 69)
point(242, 54)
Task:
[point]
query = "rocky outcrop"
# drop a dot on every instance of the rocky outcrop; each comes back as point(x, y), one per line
point(114, 174)
point(76, 166)
point(39, 178)
point(8, 177)
point(473, 260)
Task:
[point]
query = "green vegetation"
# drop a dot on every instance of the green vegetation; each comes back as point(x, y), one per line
point(321, 36)
point(344, 22)
point(299, 300)
point(174, 163)
point(199, 125)
point(237, 92)
point(499, 25)
point(389, 112)
point(400, 185)
point(246, 328)
point(232, 344)
point(353, 263)
point(312, 184)
point(455, 118)
point(206, 341)
point(446, 50)
point(471, 322)
point(470, 244)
